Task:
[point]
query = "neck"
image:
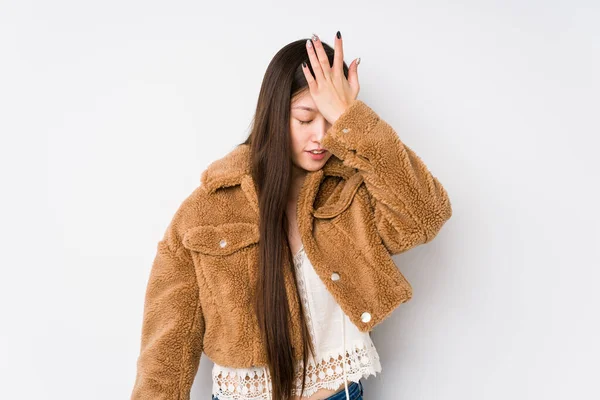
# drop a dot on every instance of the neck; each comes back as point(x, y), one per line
point(298, 175)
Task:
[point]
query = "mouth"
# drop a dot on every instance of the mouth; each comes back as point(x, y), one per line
point(317, 155)
point(316, 151)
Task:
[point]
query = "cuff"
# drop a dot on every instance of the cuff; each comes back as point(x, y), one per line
point(350, 132)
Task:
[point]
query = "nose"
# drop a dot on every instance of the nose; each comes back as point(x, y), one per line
point(321, 130)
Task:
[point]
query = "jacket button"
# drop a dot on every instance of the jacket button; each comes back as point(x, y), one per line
point(335, 276)
point(223, 243)
point(365, 317)
point(345, 130)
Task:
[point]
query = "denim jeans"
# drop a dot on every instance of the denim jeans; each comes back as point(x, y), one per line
point(355, 390)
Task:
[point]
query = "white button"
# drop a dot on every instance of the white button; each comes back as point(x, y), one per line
point(223, 243)
point(345, 130)
point(335, 276)
point(365, 317)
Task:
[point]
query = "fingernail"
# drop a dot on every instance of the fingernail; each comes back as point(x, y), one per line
point(309, 43)
point(304, 64)
point(339, 35)
point(358, 61)
point(314, 37)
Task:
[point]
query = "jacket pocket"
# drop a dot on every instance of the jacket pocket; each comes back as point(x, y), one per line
point(221, 240)
point(223, 255)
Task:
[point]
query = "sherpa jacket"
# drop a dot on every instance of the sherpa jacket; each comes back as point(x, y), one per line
point(372, 199)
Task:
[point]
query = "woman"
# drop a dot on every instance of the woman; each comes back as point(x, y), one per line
point(279, 264)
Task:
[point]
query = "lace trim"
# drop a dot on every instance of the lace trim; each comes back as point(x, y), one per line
point(251, 383)
point(304, 292)
point(298, 255)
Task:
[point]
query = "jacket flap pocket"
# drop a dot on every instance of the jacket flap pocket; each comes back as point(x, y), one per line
point(221, 239)
point(345, 198)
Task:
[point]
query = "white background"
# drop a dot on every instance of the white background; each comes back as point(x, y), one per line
point(110, 110)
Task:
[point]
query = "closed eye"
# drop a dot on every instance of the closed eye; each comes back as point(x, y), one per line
point(305, 122)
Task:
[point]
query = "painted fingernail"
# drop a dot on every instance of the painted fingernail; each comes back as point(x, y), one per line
point(309, 43)
point(315, 37)
point(358, 61)
point(304, 64)
point(339, 35)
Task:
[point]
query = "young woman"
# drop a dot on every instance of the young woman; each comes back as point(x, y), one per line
point(278, 265)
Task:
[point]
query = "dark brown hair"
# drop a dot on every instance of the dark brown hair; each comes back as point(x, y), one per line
point(271, 162)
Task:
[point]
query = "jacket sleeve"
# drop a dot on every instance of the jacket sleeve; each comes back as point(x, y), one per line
point(172, 325)
point(408, 203)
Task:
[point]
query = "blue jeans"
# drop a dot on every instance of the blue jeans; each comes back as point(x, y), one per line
point(355, 390)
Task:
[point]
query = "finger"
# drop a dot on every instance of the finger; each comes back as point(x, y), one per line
point(338, 55)
point(314, 61)
point(353, 75)
point(308, 76)
point(323, 59)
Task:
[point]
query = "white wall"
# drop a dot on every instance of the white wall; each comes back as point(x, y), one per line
point(110, 110)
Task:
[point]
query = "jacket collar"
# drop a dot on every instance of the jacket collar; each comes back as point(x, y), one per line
point(235, 169)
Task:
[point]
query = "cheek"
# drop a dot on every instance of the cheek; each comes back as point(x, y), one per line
point(296, 140)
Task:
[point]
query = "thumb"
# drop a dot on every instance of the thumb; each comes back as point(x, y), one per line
point(353, 75)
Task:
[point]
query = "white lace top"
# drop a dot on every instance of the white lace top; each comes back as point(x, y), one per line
point(336, 340)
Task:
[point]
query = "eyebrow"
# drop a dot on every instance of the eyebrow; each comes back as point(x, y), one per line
point(304, 108)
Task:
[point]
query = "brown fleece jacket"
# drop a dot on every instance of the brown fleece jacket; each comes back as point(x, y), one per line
point(372, 199)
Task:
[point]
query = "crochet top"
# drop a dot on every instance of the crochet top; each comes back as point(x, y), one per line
point(337, 342)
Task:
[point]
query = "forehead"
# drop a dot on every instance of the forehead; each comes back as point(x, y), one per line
point(303, 101)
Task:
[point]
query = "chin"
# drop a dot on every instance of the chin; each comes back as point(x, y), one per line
point(312, 168)
point(314, 165)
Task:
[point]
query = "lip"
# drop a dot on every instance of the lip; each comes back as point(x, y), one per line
point(317, 156)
